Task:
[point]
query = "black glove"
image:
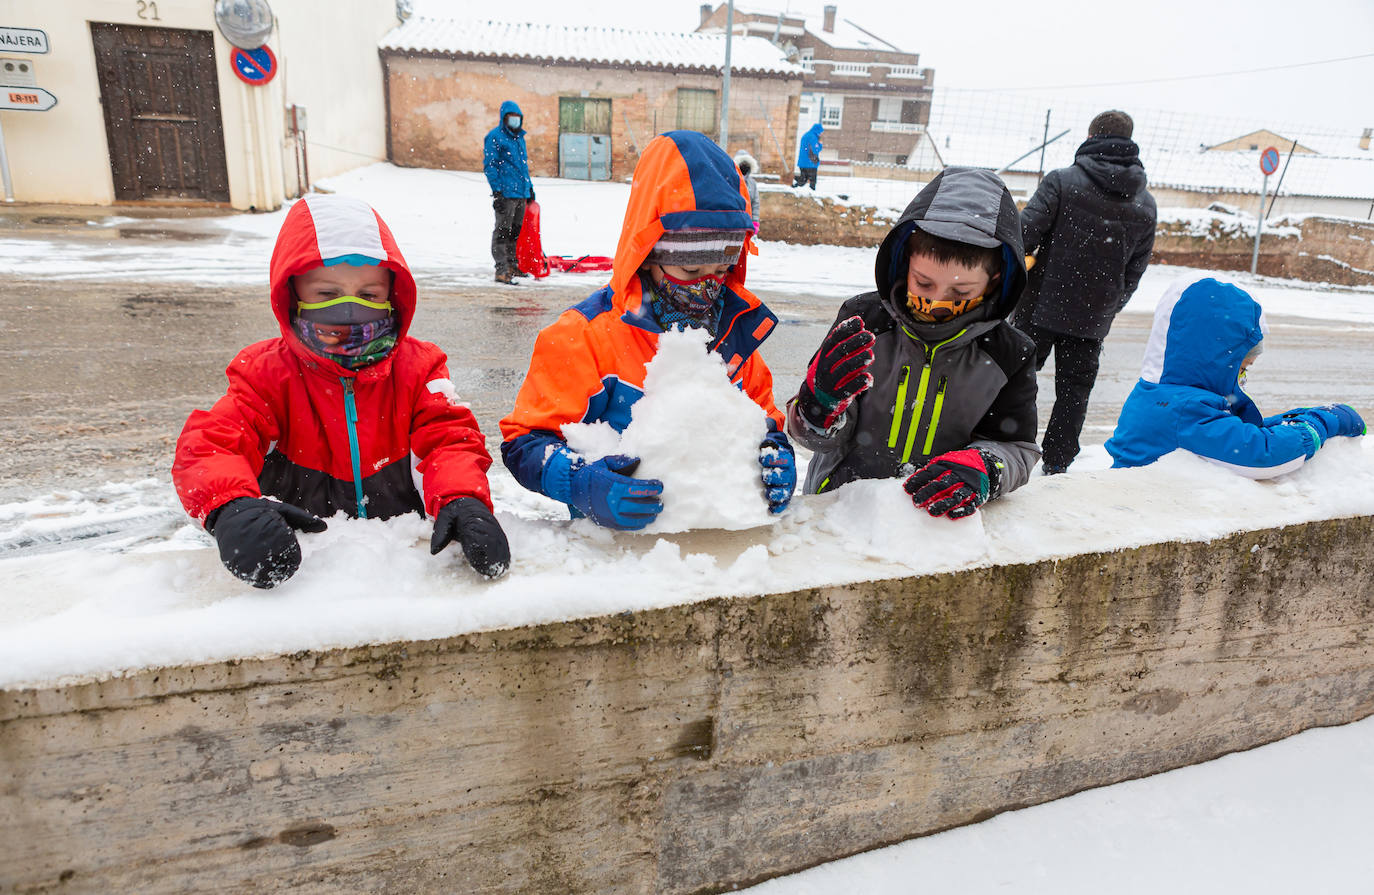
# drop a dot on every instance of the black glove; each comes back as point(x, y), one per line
point(956, 484)
point(256, 541)
point(837, 374)
point(496, 194)
point(531, 194)
point(468, 521)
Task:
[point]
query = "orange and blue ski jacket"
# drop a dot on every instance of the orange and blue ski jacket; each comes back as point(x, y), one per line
point(377, 441)
point(588, 365)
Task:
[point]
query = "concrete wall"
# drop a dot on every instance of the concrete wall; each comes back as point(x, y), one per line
point(442, 108)
point(328, 58)
point(687, 749)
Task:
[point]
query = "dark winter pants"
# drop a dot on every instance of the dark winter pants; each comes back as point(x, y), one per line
point(510, 214)
point(1075, 373)
point(807, 175)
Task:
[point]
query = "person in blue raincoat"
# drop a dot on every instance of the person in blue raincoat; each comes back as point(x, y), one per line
point(508, 174)
point(1205, 336)
point(809, 156)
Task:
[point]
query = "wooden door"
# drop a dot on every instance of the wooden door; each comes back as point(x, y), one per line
point(161, 98)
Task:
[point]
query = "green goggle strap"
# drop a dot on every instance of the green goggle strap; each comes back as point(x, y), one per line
point(316, 305)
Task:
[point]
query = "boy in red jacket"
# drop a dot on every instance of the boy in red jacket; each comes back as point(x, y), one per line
point(342, 411)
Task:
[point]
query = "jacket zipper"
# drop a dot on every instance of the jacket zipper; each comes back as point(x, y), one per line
point(354, 455)
point(899, 407)
point(918, 406)
point(935, 416)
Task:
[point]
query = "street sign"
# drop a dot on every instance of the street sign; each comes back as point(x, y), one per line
point(255, 67)
point(23, 40)
point(31, 99)
point(1269, 161)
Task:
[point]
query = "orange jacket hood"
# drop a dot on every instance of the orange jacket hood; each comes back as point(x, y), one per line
point(683, 182)
point(327, 229)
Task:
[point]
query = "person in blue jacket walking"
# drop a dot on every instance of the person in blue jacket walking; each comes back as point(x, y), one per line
point(809, 156)
point(1206, 334)
point(508, 174)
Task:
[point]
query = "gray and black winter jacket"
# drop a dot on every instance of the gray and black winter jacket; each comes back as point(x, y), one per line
point(937, 387)
point(1091, 227)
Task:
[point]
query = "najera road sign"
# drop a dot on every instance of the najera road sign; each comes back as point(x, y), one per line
point(1269, 161)
point(23, 40)
point(255, 67)
point(32, 99)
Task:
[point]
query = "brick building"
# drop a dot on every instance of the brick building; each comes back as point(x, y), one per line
point(592, 96)
point(873, 97)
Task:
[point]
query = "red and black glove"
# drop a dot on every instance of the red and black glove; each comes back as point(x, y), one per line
point(838, 373)
point(956, 484)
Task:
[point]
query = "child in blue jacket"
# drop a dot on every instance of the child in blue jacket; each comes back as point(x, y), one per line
point(1206, 333)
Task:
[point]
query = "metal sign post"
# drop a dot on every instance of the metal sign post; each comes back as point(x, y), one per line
point(5, 168)
point(1269, 163)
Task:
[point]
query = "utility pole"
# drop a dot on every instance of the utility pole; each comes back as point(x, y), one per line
point(725, 83)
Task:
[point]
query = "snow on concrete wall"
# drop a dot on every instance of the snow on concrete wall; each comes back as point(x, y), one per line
point(693, 748)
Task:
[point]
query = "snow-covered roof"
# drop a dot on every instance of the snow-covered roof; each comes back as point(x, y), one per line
point(601, 44)
point(849, 36)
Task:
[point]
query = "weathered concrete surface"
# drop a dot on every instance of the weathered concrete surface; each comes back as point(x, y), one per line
point(688, 749)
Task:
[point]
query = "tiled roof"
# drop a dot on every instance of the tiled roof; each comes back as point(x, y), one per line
point(601, 44)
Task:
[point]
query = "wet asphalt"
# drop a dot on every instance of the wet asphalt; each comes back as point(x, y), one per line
point(96, 378)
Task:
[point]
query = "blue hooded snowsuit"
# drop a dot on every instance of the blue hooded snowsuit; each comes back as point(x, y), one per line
point(809, 153)
point(1189, 396)
point(503, 157)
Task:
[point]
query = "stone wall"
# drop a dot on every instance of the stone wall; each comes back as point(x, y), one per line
point(440, 109)
point(690, 749)
point(1315, 249)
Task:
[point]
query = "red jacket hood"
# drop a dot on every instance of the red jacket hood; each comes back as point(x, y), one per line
point(683, 181)
point(321, 228)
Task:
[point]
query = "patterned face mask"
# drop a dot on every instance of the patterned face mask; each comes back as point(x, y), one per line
point(929, 310)
point(352, 345)
point(692, 297)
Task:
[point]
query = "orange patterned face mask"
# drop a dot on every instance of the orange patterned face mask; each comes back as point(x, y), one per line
point(929, 310)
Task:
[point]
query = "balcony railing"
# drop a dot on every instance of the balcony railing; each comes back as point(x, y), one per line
point(895, 127)
point(906, 71)
point(849, 69)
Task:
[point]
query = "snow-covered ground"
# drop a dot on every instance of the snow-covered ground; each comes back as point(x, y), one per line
point(117, 578)
point(1291, 817)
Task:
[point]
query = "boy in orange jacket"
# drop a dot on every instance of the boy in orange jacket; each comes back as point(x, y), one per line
point(680, 263)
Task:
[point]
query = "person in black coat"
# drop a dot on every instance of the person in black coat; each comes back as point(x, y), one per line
point(1091, 228)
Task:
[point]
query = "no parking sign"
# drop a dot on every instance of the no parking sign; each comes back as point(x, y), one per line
point(255, 67)
point(1269, 161)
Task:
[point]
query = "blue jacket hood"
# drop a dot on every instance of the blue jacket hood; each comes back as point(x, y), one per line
point(1202, 331)
point(817, 129)
point(509, 107)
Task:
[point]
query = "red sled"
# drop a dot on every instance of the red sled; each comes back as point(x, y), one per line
point(581, 264)
point(529, 249)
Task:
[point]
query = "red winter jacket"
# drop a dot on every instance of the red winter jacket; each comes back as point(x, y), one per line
point(284, 428)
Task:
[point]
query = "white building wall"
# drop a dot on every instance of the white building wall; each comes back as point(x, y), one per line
point(327, 52)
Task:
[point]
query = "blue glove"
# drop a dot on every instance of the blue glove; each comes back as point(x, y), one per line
point(1327, 421)
point(604, 489)
point(779, 464)
point(1350, 424)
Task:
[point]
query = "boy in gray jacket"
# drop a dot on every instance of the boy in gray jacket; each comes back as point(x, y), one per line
point(924, 378)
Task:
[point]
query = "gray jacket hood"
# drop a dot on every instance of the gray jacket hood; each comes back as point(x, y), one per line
point(959, 205)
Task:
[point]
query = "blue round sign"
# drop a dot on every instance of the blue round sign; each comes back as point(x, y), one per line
point(1269, 161)
point(255, 67)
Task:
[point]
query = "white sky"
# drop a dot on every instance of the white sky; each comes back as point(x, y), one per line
point(1010, 45)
